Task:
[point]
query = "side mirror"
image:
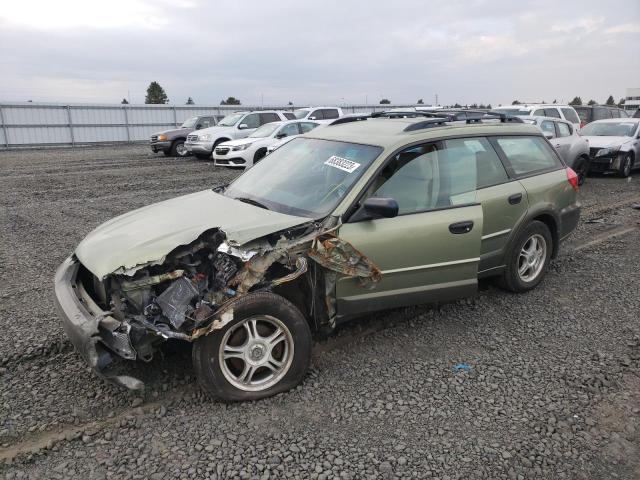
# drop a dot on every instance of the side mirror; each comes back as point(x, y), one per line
point(281, 135)
point(376, 207)
point(311, 118)
point(198, 126)
point(548, 135)
point(243, 126)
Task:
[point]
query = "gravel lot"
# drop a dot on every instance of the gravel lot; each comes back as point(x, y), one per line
point(553, 391)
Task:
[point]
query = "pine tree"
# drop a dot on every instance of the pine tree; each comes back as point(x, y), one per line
point(385, 101)
point(124, 101)
point(155, 94)
point(515, 102)
point(576, 101)
point(230, 101)
point(190, 101)
point(420, 102)
point(592, 102)
point(611, 101)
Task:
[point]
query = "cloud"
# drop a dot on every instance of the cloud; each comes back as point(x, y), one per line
point(317, 52)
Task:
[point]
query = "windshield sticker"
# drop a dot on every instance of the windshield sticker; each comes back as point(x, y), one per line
point(342, 164)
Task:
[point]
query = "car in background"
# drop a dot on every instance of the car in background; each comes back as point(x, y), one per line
point(573, 148)
point(245, 152)
point(614, 145)
point(318, 113)
point(171, 142)
point(637, 114)
point(554, 110)
point(591, 113)
point(233, 126)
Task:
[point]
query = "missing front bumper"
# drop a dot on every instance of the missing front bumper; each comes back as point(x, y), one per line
point(82, 319)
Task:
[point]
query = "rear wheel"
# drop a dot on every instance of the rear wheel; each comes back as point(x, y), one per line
point(263, 351)
point(178, 149)
point(625, 166)
point(528, 258)
point(581, 167)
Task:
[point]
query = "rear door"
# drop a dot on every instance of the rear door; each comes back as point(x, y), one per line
point(431, 250)
point(563, 141)
point(503, 199)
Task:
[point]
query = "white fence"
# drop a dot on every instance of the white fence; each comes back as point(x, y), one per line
point(51, 124)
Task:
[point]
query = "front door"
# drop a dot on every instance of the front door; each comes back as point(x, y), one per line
point(431, 250)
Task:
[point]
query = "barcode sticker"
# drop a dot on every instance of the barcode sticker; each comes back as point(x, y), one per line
point(342, 164)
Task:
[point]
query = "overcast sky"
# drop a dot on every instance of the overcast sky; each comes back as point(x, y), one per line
point(319, 52)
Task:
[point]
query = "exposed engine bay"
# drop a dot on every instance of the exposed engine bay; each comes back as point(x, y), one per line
point(191, 292)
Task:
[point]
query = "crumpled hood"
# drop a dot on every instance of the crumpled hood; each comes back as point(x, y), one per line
point(147, 235)
point(605, 142)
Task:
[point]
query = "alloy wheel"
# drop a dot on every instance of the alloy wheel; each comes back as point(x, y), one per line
point(256, 353)
point(532, 258)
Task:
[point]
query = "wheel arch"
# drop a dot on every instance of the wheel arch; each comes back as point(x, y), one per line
point(546, 216)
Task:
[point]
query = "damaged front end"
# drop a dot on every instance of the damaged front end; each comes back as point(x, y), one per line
point(190, 293)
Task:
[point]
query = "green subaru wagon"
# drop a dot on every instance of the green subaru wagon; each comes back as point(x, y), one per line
point(351, 218)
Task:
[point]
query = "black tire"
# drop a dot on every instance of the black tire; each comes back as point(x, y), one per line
point(582, 169)
point(259, 155)
point(206, 350)
point(511, 279)
point(625, 166)
point(178, 149)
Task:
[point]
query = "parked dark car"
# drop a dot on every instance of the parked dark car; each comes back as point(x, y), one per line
point(591, 113)
point(171, 142)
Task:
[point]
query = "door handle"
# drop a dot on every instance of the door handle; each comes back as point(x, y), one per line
point(461, 227)
point(515, 198)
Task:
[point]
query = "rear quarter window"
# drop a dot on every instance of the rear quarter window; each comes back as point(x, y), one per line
point(570, 115)
point(528, 155)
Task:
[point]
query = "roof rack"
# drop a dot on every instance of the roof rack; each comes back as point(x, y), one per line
point(347, 119)
point(432, 122)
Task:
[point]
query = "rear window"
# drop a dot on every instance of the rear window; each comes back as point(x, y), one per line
point(528, 155)
point(570, 115)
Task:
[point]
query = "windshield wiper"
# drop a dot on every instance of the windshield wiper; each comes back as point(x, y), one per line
point(251, 201)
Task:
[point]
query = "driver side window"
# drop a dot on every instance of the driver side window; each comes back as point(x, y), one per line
point(411, 179)
point(251, 121)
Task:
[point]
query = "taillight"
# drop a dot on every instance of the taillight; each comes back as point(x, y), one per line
point(572, 178)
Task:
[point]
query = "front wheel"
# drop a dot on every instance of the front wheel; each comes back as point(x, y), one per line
point(263, 351)
point(528, 258)
point(625, 166)
point(178, 149)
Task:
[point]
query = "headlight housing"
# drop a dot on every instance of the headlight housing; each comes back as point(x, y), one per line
point(244, 146)
point(162, 138)
point(606, 152)
point(204, 138)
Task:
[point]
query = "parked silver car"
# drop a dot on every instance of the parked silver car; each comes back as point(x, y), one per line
point(571, 146)
point(615, 145)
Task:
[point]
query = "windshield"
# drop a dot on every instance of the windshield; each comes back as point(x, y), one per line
point(609, 129)
point(305, 177)
point(189, 122)
point(230, 120)
point(512, 111)
point(265, 130)
point(301, 113)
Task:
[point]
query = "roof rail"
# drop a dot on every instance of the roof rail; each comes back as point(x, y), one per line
point(488, 115)
point(354, 118)
point(430, 123)
point(400, 114)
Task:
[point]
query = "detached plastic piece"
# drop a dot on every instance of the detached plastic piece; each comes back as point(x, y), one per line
point(175, 300)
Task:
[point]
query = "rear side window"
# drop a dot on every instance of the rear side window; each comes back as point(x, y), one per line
point(583, 113)
point(539, 113)
point(482, 158)
point(552, 112)
point(330, 113)
point(601, 113)
point(268, 118)
point(548, 127)
point(570, 115)
point(528, 155)
point(289, 115)
point(614, 113)
point(564, 130)
point(317, 115)
point(307, 126)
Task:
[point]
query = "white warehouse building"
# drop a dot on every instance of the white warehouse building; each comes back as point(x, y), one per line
point(632, 100)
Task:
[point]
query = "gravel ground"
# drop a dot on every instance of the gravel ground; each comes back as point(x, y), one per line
point(553, 390)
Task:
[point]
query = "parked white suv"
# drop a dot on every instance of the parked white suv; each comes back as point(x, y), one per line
point(233, 126)
point(247, 151)
point(318, 113)
point(554, 110)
